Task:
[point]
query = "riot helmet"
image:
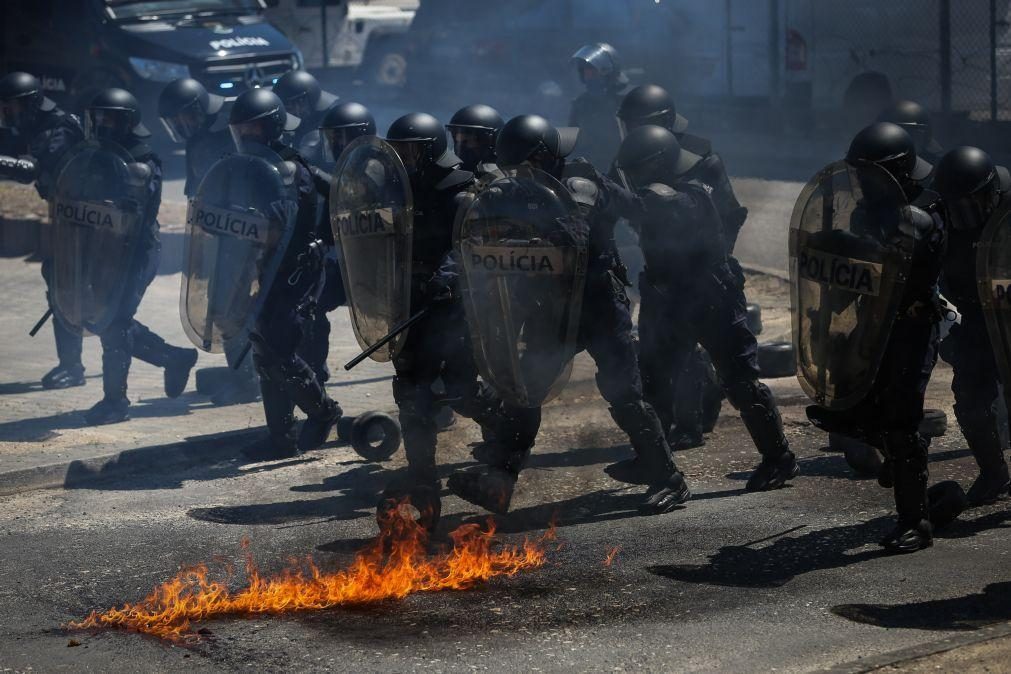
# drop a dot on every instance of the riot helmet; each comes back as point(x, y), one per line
point(258, 116)
point(302, 94)
point(912, 117)
point(474, 130)
point(889, 147)
point(532, 139)
point(21, 100)
point(342, 124)
point(420, 140)
point(652, 154)
point(970, 187)
point(114, 114)
point(598, 66)
point(649, 104)
point(186, 108)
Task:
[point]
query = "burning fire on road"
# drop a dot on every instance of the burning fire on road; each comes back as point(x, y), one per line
point(393, 567)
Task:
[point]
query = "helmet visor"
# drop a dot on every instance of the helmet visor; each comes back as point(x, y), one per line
point(256, 131)
point(969, 212)
point(186, 123)
point(472, 145)
point(339, 137)
point(16, 113)
point(414, 153)
point(107, 124)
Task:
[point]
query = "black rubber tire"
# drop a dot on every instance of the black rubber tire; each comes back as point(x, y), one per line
point(754, 318)
point(210, 379)
point(865, 460)
point(360, 435)
point(947, 501)
point(934, 424)
point(776, 359)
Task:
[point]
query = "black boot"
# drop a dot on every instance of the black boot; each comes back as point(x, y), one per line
point(242, 385)
point(761, 417)
point(114, 407)
point(421, 487)
point(307, 392)
point(913, 530)
point(667, 486)
point(278, 410)
point(177, 362)
point(491, 489)
point(979, 426)
point(70, 371)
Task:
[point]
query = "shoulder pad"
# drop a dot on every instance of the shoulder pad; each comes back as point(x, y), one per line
point(142, 152)
point(696, 144)
point(455, 179)
point(140, 173)
point(580, 167)
point(696, 185)
point(658, 195)
point(712, 163)
point(920, 226)
point(584, 192)
point(288, 171)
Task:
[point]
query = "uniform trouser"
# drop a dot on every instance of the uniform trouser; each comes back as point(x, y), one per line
point(694, 388)
point(605, 333)
point(438, 347)
point(68, 341)
point(127, 338)
point(673, 320)
point(286, 380)
point(892, 411)
point(315, 345)
point(975, 387)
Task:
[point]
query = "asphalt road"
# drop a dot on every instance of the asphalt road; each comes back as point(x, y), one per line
point(790, 580)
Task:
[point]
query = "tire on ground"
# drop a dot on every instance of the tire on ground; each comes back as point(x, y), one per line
point(776, 359)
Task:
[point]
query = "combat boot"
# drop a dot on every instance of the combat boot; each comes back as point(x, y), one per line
point(64, 376)
point(491, 489)
point(980, 430)
point(913, 531)
point(761, 417)
point(175, 361)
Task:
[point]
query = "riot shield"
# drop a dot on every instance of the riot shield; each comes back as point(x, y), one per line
point(238, 227)
point(850, 254)
point(97, 214)
point(523, 249)
point(993, 267)
point(372, 215)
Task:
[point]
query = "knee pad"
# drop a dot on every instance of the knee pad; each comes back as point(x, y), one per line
point(748, 393)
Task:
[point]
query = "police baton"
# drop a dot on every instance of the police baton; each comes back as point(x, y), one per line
point(397, 329)
point(42, 321)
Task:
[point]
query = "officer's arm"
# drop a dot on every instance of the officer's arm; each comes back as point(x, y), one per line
point(321, 180)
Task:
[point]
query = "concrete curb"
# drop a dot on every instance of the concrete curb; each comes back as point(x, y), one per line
point(161, 458)
point(987, 633)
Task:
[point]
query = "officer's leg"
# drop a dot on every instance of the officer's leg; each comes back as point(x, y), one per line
point(116, 348)
point(974, 384)
point(907, 451)
point(242, 384)
point(688, 405)
point(278, 412)
point(607, 335)
point(152, 349)
point(664, 346)
point(315, 345)
point(69, 371)
point(734, 351)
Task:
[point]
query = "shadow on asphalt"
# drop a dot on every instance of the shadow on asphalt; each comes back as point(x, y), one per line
point(781, 561)
point(967, 613)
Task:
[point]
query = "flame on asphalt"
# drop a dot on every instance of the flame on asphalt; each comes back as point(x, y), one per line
point(394, 566)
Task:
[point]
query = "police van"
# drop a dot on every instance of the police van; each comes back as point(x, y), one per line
point(77, 47)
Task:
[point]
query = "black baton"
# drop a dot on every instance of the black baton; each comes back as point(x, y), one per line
point(397, 329)
point(42, 321)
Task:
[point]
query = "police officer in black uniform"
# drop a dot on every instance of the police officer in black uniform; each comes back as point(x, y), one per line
point(304, 98)
point(474, 130)
point(38, 135)
point(889, 416)
point(593, 111)
point(972, 187)
point(915, 119)
point(439, 345)
point(605, 331)
point(693, 293)
point(258, 118)
point(114, 114)
point(192, 116)
point(650, 104)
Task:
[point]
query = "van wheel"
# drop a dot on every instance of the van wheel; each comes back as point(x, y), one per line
point(385, 65)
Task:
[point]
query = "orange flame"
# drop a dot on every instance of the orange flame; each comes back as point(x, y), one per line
point(392, 567)
point(611, 554)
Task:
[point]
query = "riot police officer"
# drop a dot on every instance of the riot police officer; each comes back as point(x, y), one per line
point(650, 104)
point(304, 98)
point(605, 330)
point(474, 130)
point(40, 134)
point(693, 293)
point(258, 119)
point(438, 346)
point(915, 119)
point(114, 115)
point(191, 116)
point(887, 409)
point(593, 111)
point(972, 188)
